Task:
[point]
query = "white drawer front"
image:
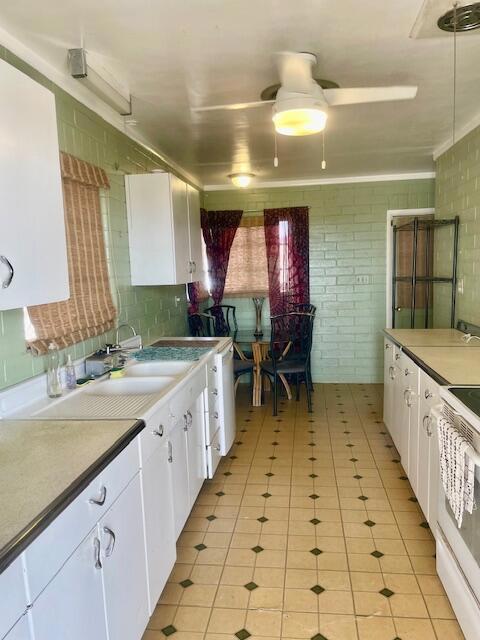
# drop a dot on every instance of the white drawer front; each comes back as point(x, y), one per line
point(155, 433)
point(47, 554)
point(213, 455)
point(13, 598)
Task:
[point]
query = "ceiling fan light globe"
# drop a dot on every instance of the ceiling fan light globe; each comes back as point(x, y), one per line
point(241, 180)
point(300, 122)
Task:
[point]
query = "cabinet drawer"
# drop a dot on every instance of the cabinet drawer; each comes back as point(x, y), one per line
point(213, 455)
point(189, 392)
point(13, 597)
point(155, 433)
point(47, 554)
point(389, 351)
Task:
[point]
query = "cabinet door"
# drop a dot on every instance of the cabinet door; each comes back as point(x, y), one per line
point(183, 268)
point(72, 605)
point(21, 631)
point(196, 450)
point(427, 483)
point(195, 234)
point(159, 523)
point(177, 457)
point(124, 566)
point(388, 371)
point(33, 258)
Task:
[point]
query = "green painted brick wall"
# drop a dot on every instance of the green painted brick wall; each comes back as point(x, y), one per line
point(458, 193)
point(347, 238)
point(151, 310)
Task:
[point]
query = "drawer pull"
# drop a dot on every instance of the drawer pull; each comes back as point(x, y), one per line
point(159, 431)
point(387, 346)
point(214, 368)
point(170, 452)
point(215, 415)
point(217, 448)
point(8, 280)
point(215, 392)
point(407, 396)
point(96, 546)
point(391, 371)
point(427, 425)
point(111, 544)
point(428, 394)
point(103, 496)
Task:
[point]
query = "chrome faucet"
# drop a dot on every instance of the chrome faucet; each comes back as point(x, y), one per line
point(124, 324)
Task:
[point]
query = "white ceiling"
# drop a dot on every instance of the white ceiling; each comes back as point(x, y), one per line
point(179, 54)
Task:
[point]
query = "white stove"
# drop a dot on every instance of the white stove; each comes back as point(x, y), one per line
point(458, 549)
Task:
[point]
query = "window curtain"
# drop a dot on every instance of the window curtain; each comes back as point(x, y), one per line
point(247, 274)
point(219, 229)
point(287, 243)
point(90, 310)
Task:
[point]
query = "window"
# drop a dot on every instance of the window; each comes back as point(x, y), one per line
point(247, 273)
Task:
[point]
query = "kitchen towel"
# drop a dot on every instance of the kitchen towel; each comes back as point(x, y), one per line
point(457, 469)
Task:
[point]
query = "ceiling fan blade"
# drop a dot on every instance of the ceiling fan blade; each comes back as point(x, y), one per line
point(295, 70)
point(234, 107)
point(337, 97)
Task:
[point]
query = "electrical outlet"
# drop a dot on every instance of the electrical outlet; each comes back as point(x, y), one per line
point(362, 279)
point(178, 300)
point(460, 286)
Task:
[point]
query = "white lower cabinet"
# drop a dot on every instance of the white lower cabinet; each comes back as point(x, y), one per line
point(72, 605)
point(388, 382)
point(21, 631)
point(124, 566)
point(13, 596)
point(177, 457)
point(159, 524)
point(195, 435)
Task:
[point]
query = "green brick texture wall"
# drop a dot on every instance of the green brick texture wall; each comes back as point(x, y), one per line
point(151, 310)
point(458, 193)
point(347, 238)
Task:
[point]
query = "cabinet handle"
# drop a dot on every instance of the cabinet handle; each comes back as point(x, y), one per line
point(397, 356)
point(427, 424)
point(185, 422)
point(189, 418)
point(96, 547)
point(387, 346)
point(215, 414)
point(159, 431)
point(407, 372)
point(11, 272)
point(428, 394)
point(217, 448)
point(103, 496)
point(214, 368)
point(170, 452)
point(391, 371)
point(215, 392)
point(407, 397)
point(111, 544)
point(194, 267)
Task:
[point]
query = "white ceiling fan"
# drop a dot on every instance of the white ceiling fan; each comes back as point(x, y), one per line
point(300, 102)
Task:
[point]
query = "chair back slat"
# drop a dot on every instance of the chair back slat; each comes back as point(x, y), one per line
point(225, 320)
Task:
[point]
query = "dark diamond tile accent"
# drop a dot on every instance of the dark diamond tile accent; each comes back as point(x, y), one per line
point(396, 460)
point(200, 547)
point(377, 554)
point(311, 444)
point(275, 443)
point(402, 478)
point(363, 498)
point(212, 517)
point(317, 589)
point(389, 446)
point(243, 431)
point(313, 475)
point(167, 631)
point(413, 499)
point(357, 477)
point(425, 525)
point(272, 458)
point(370, 523)
point(353, 459)
point(186, 583)
point(347, 432)
point(386, 592)
point(318, 636)
point(312, 459)
point(269, 474)
point(350, 445)
point(243, 634)
point(315, 521)
point(233, 457)
point(316, 551)
point(220, 494)
point(266, 495)
point(257, 549)
point(262, 519)
point(313, 496)
point(382, 433)
point(238, 442)
point(311, 431)
point(250, 586)
point(227, 473)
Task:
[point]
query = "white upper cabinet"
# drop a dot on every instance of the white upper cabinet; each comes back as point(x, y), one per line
point(33, 254)
point(164, 229)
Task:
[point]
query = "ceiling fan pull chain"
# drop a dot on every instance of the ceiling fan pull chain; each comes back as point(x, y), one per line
point(275, 157)
point(324, 162)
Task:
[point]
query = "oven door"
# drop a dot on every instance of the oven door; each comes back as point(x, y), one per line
point(464, 541)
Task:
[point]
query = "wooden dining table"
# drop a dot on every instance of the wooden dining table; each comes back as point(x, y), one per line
point(260, 346)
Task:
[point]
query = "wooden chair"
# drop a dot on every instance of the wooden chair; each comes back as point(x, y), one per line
point(290, 348)
point(241, 365)
point(200, 325)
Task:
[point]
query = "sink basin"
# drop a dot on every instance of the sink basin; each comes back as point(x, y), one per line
point(129, 386)
point(159, 368)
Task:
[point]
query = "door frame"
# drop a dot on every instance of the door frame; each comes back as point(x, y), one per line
point(396, 213)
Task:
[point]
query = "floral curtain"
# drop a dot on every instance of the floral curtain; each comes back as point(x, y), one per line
point(219, 228)
point(287, 243)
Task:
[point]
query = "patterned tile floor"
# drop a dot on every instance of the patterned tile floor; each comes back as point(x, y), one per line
point(309, 530)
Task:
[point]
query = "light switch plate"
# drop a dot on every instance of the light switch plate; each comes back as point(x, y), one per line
point(362, 279)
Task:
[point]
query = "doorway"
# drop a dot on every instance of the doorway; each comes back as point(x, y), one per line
point(421, 269)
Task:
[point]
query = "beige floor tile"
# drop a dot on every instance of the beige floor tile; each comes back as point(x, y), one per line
point(439, 607)
point(301, 600)
point(367, 581)
point(236, 575)
point(226, 621)
point(205, 574)
point(430, 585)
point(448, 629)
point(232, 597)
point(406, 605)
point(375, 628)
point(300, 625)
point(264, 623)
point(371, 604)
point(338, 627)
point(269, 576)
point(266, 598)
point(415, 629)
point(401, 583)
point(162, 616)
point(335, 602)
point(191, 618)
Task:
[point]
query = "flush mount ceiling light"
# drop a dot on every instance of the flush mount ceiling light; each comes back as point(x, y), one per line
point(82, 71)
point(241, 179)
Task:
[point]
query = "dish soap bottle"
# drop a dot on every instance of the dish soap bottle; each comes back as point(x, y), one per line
point(70, 376)
point(54, 383)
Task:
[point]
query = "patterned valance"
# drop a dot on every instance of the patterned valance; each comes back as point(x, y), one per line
point(80, 171)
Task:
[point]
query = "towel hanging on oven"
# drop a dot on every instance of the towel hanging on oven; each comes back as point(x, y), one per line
point(457, 469)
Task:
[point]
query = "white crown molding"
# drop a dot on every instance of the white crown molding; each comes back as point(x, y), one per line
point(87, 98)
point(459, 134)
point(421, 175)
